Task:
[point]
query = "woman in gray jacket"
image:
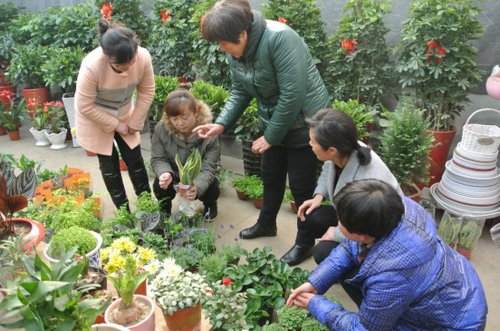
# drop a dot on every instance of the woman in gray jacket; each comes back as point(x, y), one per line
point(334, 140)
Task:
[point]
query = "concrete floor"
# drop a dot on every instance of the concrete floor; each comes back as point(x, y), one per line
point(235, 215)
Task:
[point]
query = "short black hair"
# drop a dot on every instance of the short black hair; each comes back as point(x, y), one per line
point(118, 42)
point(333, 128)
point(226, 20)
point(370, 207)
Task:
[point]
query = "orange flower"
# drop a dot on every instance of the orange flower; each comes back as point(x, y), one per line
point(282, 20)
point(349, 45)
point(165, 15)
point(226, 281)
point(107, 10)
point(433, 44)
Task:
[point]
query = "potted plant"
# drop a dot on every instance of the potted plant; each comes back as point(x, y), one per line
point(128, 265)
point(40, 124)
point(469, 235)
point(25, 70)
point(56, 132)
point(361, 114)
point(214, 96)
point(225, 307)
point(87, 243)
point(243, 184)
point(12, 119)
point(49, 298)
point(255, 191)
point(291, 318)
point(179, 294)
point(187, 173)
point(148, 212)
point(439, 63)
point(404, 147)
point(11, 260)
point(188, 257)
point(163, 86)
point(8, 12)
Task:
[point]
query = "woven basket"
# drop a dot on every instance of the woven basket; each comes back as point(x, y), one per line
point(481, 138)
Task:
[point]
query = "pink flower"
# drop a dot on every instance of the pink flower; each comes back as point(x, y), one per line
point(282, 20)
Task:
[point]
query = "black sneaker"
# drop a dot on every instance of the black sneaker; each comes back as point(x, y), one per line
point(210, 211)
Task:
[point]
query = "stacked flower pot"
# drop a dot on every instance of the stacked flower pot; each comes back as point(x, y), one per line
point(470, 187)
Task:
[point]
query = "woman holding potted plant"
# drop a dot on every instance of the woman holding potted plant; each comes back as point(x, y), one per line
point(105, 110)
point(334, 140)
point(172, 144)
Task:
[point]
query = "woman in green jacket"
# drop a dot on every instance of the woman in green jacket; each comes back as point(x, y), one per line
point(270, 62)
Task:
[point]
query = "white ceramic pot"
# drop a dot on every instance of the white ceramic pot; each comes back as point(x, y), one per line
point(147, 324)
point(92, 256)
point(58, 140)
point(41, 139)
point(108, 327)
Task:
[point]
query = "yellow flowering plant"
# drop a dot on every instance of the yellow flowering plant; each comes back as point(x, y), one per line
point(127, 266)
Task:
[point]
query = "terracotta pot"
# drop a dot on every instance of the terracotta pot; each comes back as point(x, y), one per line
point(493, 87)
point(35, 97)
point(188, 319)
point(241, 195)
point(14, 135)
point(258, 203)
point(142, 289)
point(3, 131)
point(464, 251)
point(147, 324)
point(90, 154)
point(438, 154)
point(36, 234)
point(123, 165)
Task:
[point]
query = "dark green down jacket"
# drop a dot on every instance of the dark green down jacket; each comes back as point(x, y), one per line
point(278, 70)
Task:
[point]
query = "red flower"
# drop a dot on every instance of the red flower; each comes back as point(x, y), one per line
point(282, 20)
point(165, 15)
point(31, 104)
point(107, 10)
point(349, 45)
point(441, 51)
point(226, 281)
point(433, 44)
point(438, 60)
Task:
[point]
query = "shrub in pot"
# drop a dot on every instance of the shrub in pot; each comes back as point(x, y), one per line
point(148, 212)
point(469, 235)
point(128, 265)
point(57, 131)
point(243, 185)
point(361, 114)
point(11, 119)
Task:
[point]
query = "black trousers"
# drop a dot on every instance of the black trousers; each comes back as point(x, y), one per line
point(321, 252)
point(300, 164)
point(165, 196)
point(110, 171)
point(315, 225)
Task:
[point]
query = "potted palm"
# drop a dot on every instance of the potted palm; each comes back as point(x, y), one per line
point(179, 294)
point(438, 62)
point(127, 266)
point(404, 147)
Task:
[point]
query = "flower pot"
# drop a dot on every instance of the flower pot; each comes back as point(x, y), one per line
point(493, 87)
point(123, 165)
point(142, 289)
point(438, 154)
point(57, 140)
point(146, 324)
point(68, 100)
point(241, 195)
point(3, 131)
point(35, 235)
point(108, 327)
point(92, 256)
point(14, 135)
point(258, 203)
point(35, 97)
point(41, 139)
point(187, 319)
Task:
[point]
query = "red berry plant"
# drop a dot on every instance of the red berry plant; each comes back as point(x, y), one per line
point(437, 59)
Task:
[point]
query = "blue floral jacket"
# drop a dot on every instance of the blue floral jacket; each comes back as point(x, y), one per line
point(410, 280)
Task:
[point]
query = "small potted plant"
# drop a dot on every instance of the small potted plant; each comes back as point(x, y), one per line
point(87, 243)
point(404, 147)
point(128, 265)
point(449, 228)
point(360, 113)
point(225, 307)
point(148, 212)
point(243, 184)
point(255, 191)
point(291, 317)
point(40, 124)
point(56, 132)
point(187, 173)
point(11, 120)
point(179, 294)
point(469, 235)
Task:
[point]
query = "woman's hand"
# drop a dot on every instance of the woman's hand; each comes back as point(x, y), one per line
point(189, 194)
point(165, 179)
point(122, 129)
point(208, 130)
point(309, 206)
point(260, 145)
point(300, 295)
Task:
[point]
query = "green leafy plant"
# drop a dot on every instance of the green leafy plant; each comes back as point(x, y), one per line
point(70, 213)
point(449, 229)
point(246, 183)
point(213, 266)
point(8, 12)
point(360, 113)
point(359, 65)
point(72, 237)
point(6, 49)
point(11, 119)
point(310, 324)
point(163, 86)
point(49, 298)
point(225, 307)
point(11, 259)
point(438, 59)
point(25, 67)
point(191, 167)
point(249, 127)
point(40, 119)
point(469, 233)
point(127, 265)
point(214, 96)
point(61, 69)
point(291, 317)
point(19, 28)
point(171, 37)
point(404, 144)
point(202, 240)
point(188, 257)
point(273, 327)
point(25, 163)
point(146, 203)
point(157, 243)
point(304, 17)
point(232, 253)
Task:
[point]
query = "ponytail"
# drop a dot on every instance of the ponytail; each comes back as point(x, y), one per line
point(364, 155)
point(118, 42)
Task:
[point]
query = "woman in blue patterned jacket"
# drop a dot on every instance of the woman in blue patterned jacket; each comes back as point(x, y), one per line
point(405, 276)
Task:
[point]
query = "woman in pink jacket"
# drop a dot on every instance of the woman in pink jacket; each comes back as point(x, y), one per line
point(107, 113)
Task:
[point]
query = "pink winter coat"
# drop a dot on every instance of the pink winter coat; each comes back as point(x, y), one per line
point(104, 98)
